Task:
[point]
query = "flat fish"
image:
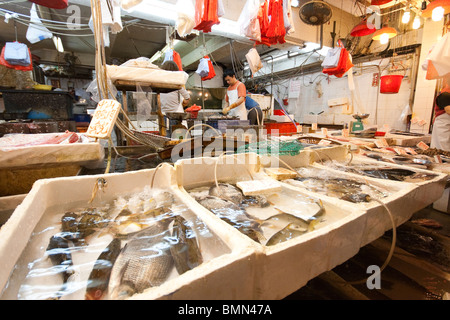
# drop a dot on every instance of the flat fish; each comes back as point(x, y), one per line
point(185, 250)
point(101, 272)
point(228, 192)
point(233, 215)
point(144, 262)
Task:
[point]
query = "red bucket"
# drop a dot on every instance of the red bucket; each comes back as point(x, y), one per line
point(391, 83)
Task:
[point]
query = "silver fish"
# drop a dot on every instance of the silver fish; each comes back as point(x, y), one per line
point(185, 250)
point(287, 233)
point(228, 192)
point(144, 262)
point(233, 215)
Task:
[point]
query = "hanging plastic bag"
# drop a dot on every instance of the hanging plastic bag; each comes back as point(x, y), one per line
point(186, 17)
point(220, 8)
point(172, 55)
point(344, 64)
point(16, 67)
point(203, 67)
point(405, 113)
point(248, 20)
point(36, 30)
point(211, 73)
point(439, 59)
point(332, 58)
point(276, 31)
point(17, 54)
point(143, 105)
point(206, 15)
point(254, 60)
point(54, 4)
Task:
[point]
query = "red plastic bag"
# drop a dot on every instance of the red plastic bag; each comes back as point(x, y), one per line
point(271, 21)
point(211, 73)
point(54, 4)
point(206, 15)
point(344, 64)
point(177, 59)
point(16, 67)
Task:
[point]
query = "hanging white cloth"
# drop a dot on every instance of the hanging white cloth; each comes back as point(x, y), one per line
point(36, 30)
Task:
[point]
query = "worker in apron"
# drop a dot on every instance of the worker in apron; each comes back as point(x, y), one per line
point(440, 137)
point(235, 97)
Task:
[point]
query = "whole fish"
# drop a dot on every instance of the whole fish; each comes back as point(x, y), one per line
point(233, 215)
point(356, 197)
point(101, 272)
point(228, 192)
point(59, 253)
point(256, 201)
point(185, 251)
point(287, 233)
point(144, 262)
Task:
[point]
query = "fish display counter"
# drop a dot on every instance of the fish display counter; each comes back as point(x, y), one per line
point(299, 234)
point(26, 158)
point(118, 236)
point(401, 189)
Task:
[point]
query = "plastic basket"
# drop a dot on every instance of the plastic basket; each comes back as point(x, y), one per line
point(391, 83)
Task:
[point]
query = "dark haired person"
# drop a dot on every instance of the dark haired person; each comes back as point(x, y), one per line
point(174, 101)
point(440, 137)
point(235, 96)
point(254, 114)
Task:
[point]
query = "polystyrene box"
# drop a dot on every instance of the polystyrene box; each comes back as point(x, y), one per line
point(406, 199)
point(285, 267)
point(227, 275)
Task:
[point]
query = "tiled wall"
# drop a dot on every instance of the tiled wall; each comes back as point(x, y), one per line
point(389, 108)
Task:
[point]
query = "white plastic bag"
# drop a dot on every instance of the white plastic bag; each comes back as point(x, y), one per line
point(248, 20)
point(220, 8)
point(287, 15)
point(405, 113)
point(332, 58)
point(17, 54)
point(203, 68)
point(36, 30)
point(254, 60)
point(186, 17)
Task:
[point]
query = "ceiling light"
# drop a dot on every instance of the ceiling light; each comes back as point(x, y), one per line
point(58, 44)
point(406, 16)
point(416, 23)
point(384, 33)
point(436, 9)
point(295, 3)
point(437, 14)
point(384, 38)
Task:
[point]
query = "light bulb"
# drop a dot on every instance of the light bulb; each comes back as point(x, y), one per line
point(406, 17)
point(438, 14)
point(384, 38)
point(416, 23)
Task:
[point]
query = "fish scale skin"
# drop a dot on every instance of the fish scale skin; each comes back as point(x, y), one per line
point(145, 266)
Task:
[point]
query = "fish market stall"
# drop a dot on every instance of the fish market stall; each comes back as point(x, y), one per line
point(327, 236)
point(56, 242)
point(26, 158)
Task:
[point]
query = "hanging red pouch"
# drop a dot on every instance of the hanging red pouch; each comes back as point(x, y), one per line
point(54, 4)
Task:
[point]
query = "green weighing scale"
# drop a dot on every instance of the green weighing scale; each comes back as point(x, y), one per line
point(358, 125)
